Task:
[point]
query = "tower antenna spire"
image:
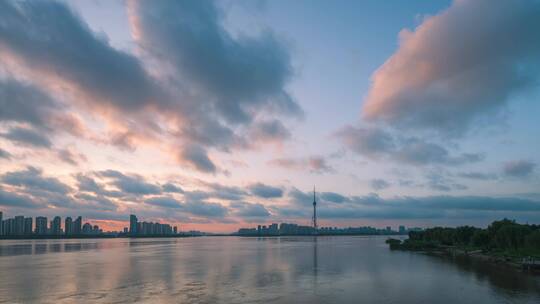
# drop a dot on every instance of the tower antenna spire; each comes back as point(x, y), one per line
point(314, 219)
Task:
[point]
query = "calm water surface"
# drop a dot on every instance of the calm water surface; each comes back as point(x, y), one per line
point(247, 270)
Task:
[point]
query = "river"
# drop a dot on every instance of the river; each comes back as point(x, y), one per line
point(344, 269)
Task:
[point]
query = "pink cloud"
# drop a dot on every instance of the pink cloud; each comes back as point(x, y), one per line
point(457, 66)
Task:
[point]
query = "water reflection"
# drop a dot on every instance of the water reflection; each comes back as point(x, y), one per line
point(507, 280)
point(29, 247)
point(315, 264)
point(47, 246)
point(240, 270)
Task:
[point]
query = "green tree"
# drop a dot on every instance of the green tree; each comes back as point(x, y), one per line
point(511, 236)
point(532, 241)
point(463, 235)
point(480, 238)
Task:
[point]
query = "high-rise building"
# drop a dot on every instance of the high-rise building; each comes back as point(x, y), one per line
point(28, 226)
point(133, 224)
point(68, 226)
point(41, 225)
point(8, 226)
point(402, 230)
point(273, 229)
point(19, 225)
point(56, 226)
point(146, 228)
point(87, 228)
point(1, 230)
point(77, 226)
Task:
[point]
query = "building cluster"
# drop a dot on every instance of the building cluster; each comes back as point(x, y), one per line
point(294, 229)
point(24, 226)
point(137, 228)
point(365, 230)
point(274, 230)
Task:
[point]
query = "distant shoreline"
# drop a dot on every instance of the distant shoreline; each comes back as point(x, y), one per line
point(74, 237)
point(65, 237)
point(326, 234)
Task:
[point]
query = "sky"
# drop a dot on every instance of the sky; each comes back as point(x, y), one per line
point(220, 115)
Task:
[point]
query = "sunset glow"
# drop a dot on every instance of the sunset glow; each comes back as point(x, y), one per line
point(218, 115)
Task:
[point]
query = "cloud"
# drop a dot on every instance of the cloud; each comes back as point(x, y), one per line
point(74, 55)
point(333, 197)
point(269, 131)
point(171, 188)
point(379, 184)
point(208, 131)
point(30, 189)
point(235, 74)
point(215, 190)
point(36, 189)
point(225, 91)
point(248, 210)
point(418, 151)
point(265, 191)
point(287, 163)
point(14, 200)
point(406, 183)
point(318, 164)
point(457, 66)
point(126, 141)
point(220, 191)
point(376, 143)
point(480, 203)
point(96, 202)
point(197, 195)
point(314, 164)
point(167, 202)
point(32, 178)
point(439, 181)
point(196, 157)
point(519, 168)
point(406, 207)
point(372, 142)
point(24, 103)
point(132, 184)
point(71, 156)
point(88, 184)
point(205, 209)
point(5, 154)
point(478, 175)
point(206, 88)
point(27, 137)
point(300, 198)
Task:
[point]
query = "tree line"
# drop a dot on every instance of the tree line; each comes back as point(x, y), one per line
point(503, 235)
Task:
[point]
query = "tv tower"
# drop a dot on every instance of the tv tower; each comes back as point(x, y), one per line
point(314, 211)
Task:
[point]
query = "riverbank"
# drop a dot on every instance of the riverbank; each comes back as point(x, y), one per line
point(313, 234)
point(517, 260)
point(91, 236)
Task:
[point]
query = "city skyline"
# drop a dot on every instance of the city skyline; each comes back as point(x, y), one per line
point(22, 226)
point(217, 115)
